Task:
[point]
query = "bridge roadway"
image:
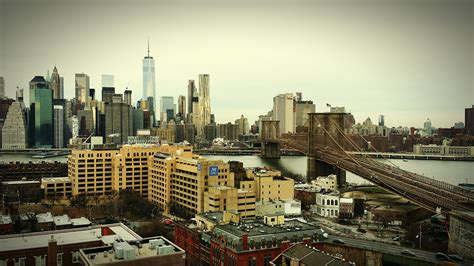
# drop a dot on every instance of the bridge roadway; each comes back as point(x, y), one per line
point(387, 249)
point(426, 192)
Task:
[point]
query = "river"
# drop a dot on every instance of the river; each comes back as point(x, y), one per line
point(453, 172)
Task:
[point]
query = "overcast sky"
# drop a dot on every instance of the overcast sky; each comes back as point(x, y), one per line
point(407, 59)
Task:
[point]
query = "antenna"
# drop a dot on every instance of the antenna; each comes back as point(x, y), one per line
point(148, 46)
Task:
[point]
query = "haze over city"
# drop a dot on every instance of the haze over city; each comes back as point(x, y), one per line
point(408, 60)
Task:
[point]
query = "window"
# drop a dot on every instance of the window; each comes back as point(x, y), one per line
point(19, 261)
point(60, 259)
point(40, 260)
point(75, 256)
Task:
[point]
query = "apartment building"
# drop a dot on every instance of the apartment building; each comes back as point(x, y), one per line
point(268, 184)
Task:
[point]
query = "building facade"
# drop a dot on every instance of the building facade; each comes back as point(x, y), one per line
point(149, 90)
point(327, 204)
point(284, 111)
point(41, 113)
point(82, 88)
point(15, 128)
point(58, 126)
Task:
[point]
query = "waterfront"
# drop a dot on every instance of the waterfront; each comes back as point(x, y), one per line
point(453, 172)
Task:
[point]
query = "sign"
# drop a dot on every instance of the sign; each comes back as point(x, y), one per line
point(199, 167)
point(213, 170)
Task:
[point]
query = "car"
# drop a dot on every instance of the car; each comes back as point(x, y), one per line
point(442, 256)
point(325, 235)
point(396, 238)
point(407, 252)
point(338, 241)
point(455, 257)
point(168, 222)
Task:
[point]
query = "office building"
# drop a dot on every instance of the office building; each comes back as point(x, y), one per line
point(166, 103)
point(41, 113)
point(192, 96)
point(243, 124)
point(210, 132)
point(118, 120)
point(204, 104)
point(428, 127)
point(2, 87)
point(58, 124)
point(469, 121)
point(178, 182)
point(61, 87)
point(302, 109)
point(15, 128)
point(55, 84)
point(284, 111)
point(182, 106)
point(107, 94)
point(82, 88)
point(107, 80)
point(268, 184)
point(228, 131)
point(86, 122)
point(381, 121)
point(127, 97)
point(149, 92)
point(138, 120)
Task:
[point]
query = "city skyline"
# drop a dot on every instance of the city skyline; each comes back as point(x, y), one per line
point(368, 58)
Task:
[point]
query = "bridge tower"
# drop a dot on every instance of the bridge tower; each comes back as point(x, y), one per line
point(325, 131)
point(269, 135)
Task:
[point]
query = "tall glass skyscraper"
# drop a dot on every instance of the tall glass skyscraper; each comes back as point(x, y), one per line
point(149, 81)
point(41, 113)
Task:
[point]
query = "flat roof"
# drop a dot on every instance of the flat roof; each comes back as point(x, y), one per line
point(139, 249)
point(20, 182)
point(66, 237)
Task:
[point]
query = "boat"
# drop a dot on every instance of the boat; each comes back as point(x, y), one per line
point(43, 155)
point(469, 186)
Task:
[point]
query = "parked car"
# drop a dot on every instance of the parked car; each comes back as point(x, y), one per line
point(442, 256)
point(407, 252)
point(325, 235)
point(338, 241)
point(455, 257)
point(396, 238)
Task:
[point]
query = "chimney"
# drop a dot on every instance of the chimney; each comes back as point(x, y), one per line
point(245, 241)
point(52, 252)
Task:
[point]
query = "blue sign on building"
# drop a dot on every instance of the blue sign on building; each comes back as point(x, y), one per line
point(213, 170)
point(199, 167)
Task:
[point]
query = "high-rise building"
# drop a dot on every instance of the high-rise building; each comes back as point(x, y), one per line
point(182, 106)
point(284, 111)
point(204, 104)
point(82, 88)
point(381, 120)
point(138, 120)
point(58, 126)
point(86, 122)
point(2, 87)
point(191, 94)
point(302, 109)
point(228, 131)
point(149, 81)
point(428, 127)
point(61, 87)
point(243, 124)
point(469, 120)
point(128, 97)
point(41, 113)
point(118, 120)
point(107, 80)
point(92, 94)
point(15, 128)
point(55, 84)
point(166, 103)
point(107, 93)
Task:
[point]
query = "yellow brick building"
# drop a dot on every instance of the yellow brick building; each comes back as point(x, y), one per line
point(268, 184)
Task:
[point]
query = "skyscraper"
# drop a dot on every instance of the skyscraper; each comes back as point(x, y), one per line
point(382, 120)
point(58, 126)
point(469, 120)
point(128, 97)
point(118, 120)
point(55, 84)
point(302, 109)
point(284, 111)
point(427, 127)
point(166, 103)
point(182, 106)
point(41, 113)
point(61, 88)
point(15, 130)
point(2, 87)
point(204, 104)
point(149, 80)
point(82, 88)
point(191, 91)
point(107, 94)
point(107, 80)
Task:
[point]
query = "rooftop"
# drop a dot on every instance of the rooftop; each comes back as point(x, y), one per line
point(66, 237)
point(311, 256)
point(55, 179)
point(120, 251)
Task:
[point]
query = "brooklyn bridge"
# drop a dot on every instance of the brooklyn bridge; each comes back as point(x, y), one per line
point(326, 148)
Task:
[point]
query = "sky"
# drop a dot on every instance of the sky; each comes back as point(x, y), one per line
point(406, 59)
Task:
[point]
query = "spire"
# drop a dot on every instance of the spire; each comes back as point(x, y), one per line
point(148, 46)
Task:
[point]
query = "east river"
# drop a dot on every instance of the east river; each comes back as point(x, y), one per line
point(453, 172)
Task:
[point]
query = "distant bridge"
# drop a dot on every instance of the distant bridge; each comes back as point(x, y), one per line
point(326, 155)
